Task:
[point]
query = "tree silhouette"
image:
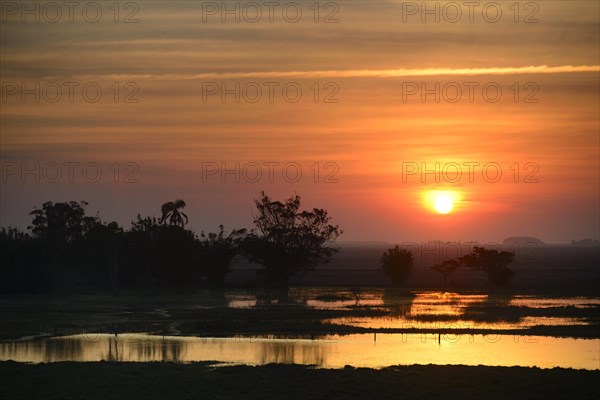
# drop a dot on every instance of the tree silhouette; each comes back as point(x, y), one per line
point(217, 251)
point(397, 264)
point(61, 222)
point(161, 254)
point(21, 265)
point(287, 240)
point(60, 229)
point(99, 253)
point(140, 250)
point(171, 213)
point(447, 268)
point(493, 262)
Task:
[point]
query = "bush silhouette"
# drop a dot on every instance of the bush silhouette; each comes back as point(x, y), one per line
point(397, 264)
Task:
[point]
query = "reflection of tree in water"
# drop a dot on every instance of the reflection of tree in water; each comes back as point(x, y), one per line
point(290, 351)
point(171, 350)
point(495, 308)
point(269, 297)
point(398, 301)
point(356, 293)
point(153, 349)
point(47, 350)
point(451, 307)
point(67, 348)
point(114, 353)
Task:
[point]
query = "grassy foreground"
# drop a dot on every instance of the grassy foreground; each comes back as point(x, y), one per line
point(104, 380)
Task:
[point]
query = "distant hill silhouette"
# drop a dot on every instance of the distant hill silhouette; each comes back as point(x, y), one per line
point(362, 243)
point(584, 242)
point(522, 240)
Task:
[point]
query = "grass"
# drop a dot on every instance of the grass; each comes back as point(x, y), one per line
point(104, 380)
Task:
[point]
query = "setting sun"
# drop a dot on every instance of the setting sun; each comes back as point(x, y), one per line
point(441, 201)
point(443, 204)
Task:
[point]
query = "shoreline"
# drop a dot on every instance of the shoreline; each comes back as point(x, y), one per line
point(155, 380)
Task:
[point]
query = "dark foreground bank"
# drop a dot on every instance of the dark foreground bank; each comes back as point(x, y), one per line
point(103, 380)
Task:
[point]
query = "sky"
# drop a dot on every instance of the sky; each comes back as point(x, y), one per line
point(365, 108)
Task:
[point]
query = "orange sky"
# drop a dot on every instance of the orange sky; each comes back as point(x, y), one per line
point(370, 61)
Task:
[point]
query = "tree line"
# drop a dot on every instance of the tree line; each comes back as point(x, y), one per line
point(397, 264)
point(66, 248)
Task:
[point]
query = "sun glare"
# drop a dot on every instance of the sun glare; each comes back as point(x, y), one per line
point(442, 202)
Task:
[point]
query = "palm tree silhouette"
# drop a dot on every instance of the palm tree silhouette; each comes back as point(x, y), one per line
point(171, 213)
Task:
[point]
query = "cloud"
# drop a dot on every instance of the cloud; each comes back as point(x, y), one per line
point(366, 73)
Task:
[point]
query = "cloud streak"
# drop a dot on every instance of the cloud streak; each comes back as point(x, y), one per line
point(369, 73)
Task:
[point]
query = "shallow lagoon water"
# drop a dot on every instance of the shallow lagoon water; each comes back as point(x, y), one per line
point(419, 314)
point(446, 310)
point(330, 351)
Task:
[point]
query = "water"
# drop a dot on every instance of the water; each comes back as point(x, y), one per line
point(331, 351)
point(500, 327)
point(448, 310)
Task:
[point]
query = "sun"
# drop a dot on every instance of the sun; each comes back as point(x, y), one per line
point(443, 203)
